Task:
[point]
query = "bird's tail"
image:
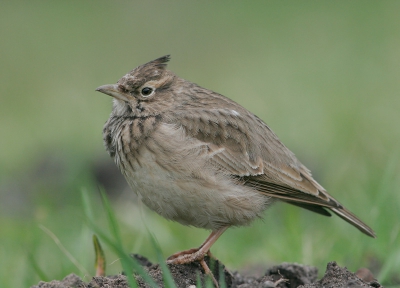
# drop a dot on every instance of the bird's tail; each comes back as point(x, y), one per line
point(353, 220)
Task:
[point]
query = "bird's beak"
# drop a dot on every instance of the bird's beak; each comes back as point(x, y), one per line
point(113, 91)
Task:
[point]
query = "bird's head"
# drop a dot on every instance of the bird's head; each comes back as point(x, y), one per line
point(146, 90)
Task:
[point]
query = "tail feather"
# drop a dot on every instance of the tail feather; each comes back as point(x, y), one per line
point(353, 220)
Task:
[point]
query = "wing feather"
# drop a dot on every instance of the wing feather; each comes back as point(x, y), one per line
point(262, 162)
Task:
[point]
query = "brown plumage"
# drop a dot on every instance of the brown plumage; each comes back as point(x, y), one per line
point(197, 157)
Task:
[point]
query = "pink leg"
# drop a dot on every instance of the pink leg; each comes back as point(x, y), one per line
point(196, 254)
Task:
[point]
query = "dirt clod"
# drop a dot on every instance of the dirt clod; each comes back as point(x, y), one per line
point(336, 276)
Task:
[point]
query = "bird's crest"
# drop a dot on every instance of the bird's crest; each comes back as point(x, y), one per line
point(160, 63)
point(151, 70)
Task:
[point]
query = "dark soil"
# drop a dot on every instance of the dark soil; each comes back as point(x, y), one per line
point(286, 275)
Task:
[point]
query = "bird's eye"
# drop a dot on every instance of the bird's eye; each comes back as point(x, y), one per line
point(147, 91)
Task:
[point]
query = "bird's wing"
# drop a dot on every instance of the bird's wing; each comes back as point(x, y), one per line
point(242, 146)
point(245, 148)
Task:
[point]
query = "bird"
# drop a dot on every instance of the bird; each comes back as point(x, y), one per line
point(198, 158)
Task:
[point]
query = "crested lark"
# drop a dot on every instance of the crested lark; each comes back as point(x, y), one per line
point(198, 158)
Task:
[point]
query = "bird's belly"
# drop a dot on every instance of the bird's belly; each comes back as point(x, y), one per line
point(210, 202)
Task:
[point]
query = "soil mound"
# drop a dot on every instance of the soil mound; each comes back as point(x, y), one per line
point(286, 275)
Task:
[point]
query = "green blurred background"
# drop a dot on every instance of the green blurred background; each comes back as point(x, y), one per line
point(323, 74)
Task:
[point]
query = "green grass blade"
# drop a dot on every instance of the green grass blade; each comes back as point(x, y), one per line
point(100, 262)
point(87, 207)
point(36, 268)
point(112, 221)
point(128, 264)
point(64, 250)
point(222, 283)
point(167, 277)
point(198, 281)
point(389, 266)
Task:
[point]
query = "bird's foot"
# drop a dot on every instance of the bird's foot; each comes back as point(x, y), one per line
point(197, 254)
point(188, 256)
point(192, 255)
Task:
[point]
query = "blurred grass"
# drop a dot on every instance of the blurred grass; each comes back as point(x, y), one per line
point(324, 75)
point(115, 242)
